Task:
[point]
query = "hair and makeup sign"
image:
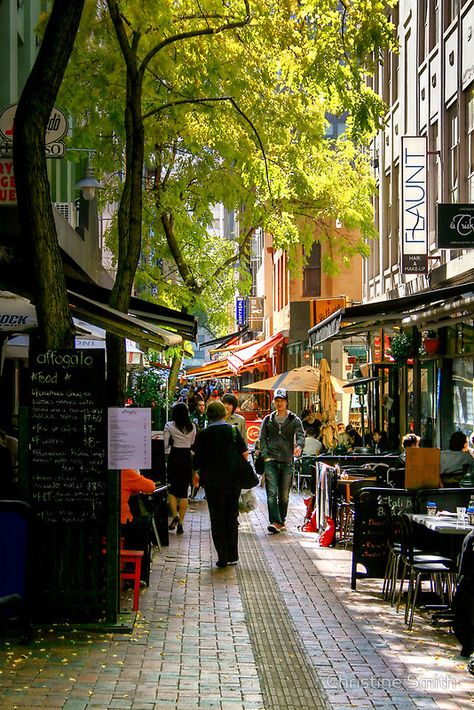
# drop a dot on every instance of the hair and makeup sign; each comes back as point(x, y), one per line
point(414, 205)
point(455, 226)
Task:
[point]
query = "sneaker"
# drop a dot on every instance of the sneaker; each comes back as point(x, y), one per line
point(233, 562)
point(273, 528)
point(283, 527)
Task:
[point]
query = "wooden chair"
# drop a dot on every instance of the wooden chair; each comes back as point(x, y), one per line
point(422, 469)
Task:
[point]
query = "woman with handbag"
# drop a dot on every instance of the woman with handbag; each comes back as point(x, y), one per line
point(178, 437)
point(216, 457)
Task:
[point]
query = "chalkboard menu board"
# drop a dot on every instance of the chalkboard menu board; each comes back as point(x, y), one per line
point(373, 511)
point(68, 435)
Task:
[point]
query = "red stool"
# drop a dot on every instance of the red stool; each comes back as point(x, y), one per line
point(132, 557)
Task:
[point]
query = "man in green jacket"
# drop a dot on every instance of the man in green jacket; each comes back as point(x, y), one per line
point(281, 439)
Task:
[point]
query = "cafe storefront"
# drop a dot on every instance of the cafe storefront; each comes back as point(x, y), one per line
point(428, 388)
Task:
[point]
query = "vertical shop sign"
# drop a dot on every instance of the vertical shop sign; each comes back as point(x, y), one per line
point(414, 203)
point(240, 310)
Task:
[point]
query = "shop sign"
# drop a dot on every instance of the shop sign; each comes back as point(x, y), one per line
point(7, 183)
point(455, 226)
point(240, 310)
point(322, 308)
point(56, 129)
point(414, 203)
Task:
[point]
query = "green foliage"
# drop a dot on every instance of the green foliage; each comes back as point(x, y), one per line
point(402, 346)
point(147, 388)
point(236, 117)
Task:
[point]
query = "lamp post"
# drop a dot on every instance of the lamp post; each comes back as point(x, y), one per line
point(361, 390)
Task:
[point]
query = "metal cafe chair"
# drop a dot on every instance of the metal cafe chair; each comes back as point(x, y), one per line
point(440, 570)
point(304, 470)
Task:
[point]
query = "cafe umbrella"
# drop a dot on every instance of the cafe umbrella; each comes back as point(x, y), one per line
point(300, 379)
point(327, 407)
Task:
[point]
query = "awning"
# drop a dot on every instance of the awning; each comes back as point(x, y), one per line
point(435, 308)
point(121, 324)
point(225, 339)
point(245, 356)
point(210, 370)
point(182, 323)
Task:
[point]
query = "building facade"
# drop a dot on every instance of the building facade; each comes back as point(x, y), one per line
point(428, 89)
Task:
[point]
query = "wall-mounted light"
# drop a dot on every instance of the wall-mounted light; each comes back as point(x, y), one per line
point(88, 185)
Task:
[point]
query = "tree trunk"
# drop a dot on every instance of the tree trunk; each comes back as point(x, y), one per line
point(174, 374)
point(130, 208)
point(33, 191)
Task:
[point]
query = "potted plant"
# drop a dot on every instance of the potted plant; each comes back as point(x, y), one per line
point(431, 342)
point(401, 346)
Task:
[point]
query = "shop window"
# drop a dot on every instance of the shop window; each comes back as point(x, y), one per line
point(428, 372)
point(463, 387)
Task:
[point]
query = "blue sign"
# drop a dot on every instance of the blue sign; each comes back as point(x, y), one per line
point(240, 310)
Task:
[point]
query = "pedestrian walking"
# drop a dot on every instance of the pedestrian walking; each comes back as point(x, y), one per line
point(281, 439)
point(178, 436)
point(230, 403)
point(216, 452)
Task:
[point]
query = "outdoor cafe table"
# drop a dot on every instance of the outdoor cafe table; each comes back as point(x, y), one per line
point(451, 530)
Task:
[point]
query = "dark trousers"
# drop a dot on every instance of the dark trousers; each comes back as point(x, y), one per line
point(223, 504)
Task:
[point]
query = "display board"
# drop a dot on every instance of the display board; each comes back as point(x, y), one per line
point(75, 512)
point(68, 435)
point(373, 509)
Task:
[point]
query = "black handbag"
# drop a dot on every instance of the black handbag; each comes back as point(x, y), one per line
point(245, 474)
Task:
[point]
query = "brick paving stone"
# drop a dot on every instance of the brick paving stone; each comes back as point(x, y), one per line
point(202, 641)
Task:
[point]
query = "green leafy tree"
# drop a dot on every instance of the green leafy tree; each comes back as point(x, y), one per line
point(227, 103)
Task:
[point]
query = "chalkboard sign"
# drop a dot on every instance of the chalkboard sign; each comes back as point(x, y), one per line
point(68, 435)
point(373, 510)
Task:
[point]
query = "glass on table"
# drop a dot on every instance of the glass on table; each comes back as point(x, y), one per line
point(461, 513)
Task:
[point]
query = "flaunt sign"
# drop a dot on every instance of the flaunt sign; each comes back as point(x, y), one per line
point(414, 204)
point(7, 183)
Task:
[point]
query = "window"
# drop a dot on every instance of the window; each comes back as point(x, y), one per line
point(470, 146)
point(312, 272)
point(387, 218)
point(423, 31)
point(395, 216)
point(434, 23)
point(433, 177)
point(452, 128)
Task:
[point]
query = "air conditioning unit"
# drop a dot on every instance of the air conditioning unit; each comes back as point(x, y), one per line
point(68, 211)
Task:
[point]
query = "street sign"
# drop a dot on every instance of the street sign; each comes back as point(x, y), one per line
point(240, 310)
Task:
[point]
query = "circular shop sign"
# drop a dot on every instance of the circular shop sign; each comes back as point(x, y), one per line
point(56, 128)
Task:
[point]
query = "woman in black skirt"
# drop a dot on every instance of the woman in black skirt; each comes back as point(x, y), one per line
point(216, 450)
point(178, 436)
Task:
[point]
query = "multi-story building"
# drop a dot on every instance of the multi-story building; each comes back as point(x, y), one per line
point(419, 277)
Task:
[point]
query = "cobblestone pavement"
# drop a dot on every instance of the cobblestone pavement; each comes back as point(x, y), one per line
point(282, 630)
